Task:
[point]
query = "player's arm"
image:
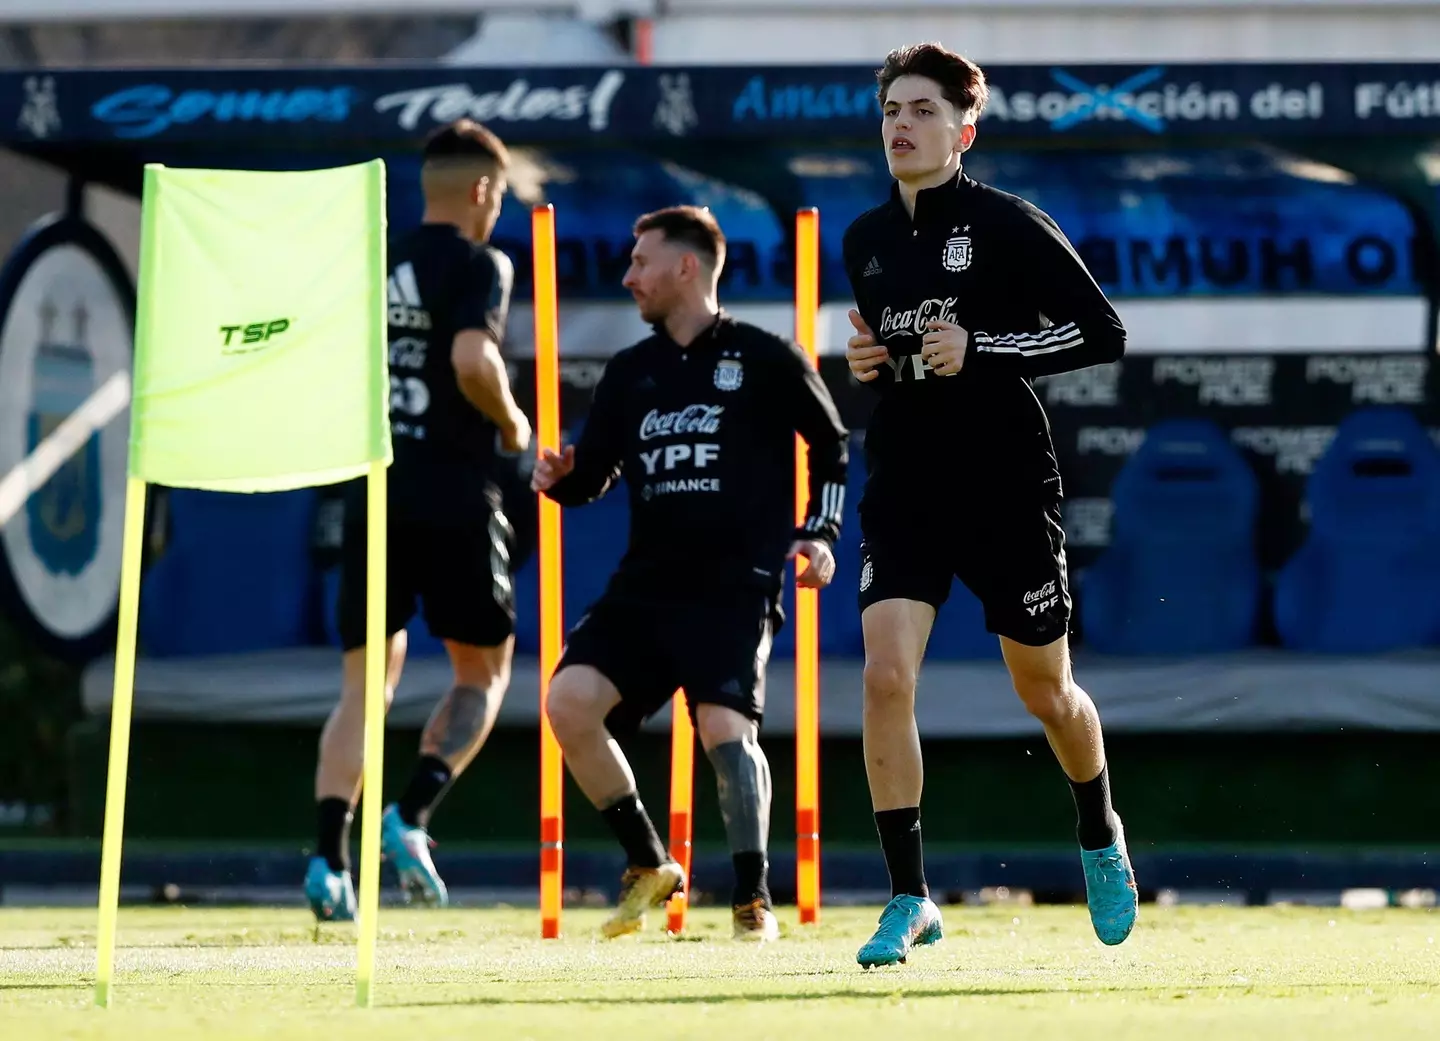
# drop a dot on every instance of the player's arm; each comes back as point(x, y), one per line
point(475, 352)
point(585, 471)
point(816, 419)
point(863, 352)
point(1084, 328)
point(806, 400)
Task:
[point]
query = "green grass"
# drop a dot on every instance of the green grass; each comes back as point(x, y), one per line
point(1002, 974)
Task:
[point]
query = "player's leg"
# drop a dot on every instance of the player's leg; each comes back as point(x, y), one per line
point(895, 633)
point(586, 708)
point(455, 732)
point(1027, 603)
point(901, 591)
point(742, 781)
point(340, 769)
point(1043, 679)
point(726, 648)
point(469, 603)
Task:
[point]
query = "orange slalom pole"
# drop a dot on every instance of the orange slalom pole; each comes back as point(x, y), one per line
point(552, 608)
point(807, 602)
point(682, 796)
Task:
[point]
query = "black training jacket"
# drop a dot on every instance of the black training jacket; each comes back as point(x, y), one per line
point(1003, 270)
point(441, 284)
point(704, 436)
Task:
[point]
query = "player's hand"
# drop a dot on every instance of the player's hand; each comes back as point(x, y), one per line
point(550, 467)
point(861, 351)
point(822, 563)
point(515, 436)
point(943, 347)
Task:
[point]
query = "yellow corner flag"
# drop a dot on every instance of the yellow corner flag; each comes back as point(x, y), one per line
point(260, 365)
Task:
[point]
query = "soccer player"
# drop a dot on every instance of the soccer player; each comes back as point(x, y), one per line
point(965, 294)
point(448, 538)
point(700, 419)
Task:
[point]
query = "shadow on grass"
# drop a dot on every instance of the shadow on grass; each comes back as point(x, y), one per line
point(47, 986)
point(876, 994)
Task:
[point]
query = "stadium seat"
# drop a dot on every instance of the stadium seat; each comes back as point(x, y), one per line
point(1180, 575)
point(1365, 579)
point(236, 575)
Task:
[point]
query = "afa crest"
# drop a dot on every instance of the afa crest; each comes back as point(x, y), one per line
point(729, 374)
point(958, 253)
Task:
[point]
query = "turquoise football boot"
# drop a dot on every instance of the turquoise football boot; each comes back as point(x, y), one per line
point(1110, 889)
point(408, 848)
point(331, 894)
point(906, 922)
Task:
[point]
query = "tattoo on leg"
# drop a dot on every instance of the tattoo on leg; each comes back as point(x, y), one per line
point(742, 777)
point(459, 721)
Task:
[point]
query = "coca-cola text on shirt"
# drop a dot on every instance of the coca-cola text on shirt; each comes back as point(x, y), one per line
point(692, 419)
point(912, 322)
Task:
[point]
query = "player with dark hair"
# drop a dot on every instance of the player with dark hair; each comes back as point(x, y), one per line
point(700, 419)
point(449, 542)
point(965, 294)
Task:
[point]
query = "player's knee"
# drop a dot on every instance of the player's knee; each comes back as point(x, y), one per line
point(889, 682)
point(1050, 699)
point(484, 668)
point(717, 725)
point(570, 707)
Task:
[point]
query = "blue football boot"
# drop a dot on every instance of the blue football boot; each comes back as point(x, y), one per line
point(331, 894)
point(906, 922)
point(1110, 889)
point(408, 848)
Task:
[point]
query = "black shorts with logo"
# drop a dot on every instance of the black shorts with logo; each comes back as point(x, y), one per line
point(458, 571)
point(1010, 554)
point(716, 649)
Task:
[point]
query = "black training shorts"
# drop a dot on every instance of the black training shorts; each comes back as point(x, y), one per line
point(1011, 556)
point(715, 649)
point(459, 572)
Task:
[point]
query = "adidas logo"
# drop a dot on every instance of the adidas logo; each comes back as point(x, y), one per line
point(402, 293)
point(872, 268)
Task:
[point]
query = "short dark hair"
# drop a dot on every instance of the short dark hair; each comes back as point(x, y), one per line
point(961, 81)
point(693, 226)
point(466, 139)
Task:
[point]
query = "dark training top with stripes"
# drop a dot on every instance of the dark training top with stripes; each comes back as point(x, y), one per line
point(1001, 269)
point(704, 436)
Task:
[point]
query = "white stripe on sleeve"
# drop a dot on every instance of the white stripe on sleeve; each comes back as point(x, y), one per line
point(1048, 341)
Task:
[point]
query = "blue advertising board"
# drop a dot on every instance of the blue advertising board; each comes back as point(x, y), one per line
point(1076, 102)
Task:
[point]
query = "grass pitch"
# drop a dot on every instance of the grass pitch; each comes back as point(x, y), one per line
point(1002, 973)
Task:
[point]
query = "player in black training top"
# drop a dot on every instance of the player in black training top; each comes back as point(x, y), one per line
point(964, 295)
point(449, 540)
point(700, 420)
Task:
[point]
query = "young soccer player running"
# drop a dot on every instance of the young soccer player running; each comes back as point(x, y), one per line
point(700, 419)
point(448, 538)
point(965, 294)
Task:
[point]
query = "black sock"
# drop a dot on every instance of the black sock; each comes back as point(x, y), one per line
point(752, 881)
point(631, 825)
point(426, 786)
point(1095, 819)
point(904, 855)
point(333, 841)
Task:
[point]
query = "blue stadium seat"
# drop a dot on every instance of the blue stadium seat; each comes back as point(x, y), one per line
point(1180, 575)
point(236, 575)
point(1366, 578)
